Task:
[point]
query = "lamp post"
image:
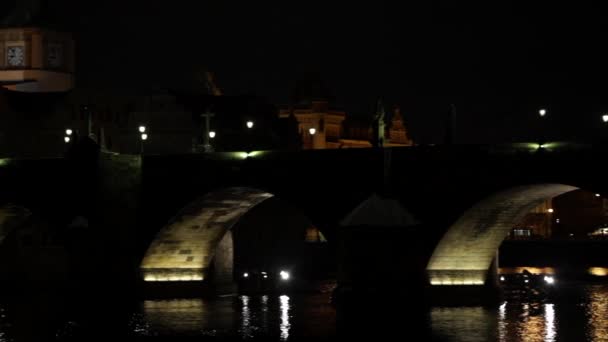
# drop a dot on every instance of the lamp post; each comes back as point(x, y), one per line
point(143, 137)
point(542, 113)
point(312, 131)
point(68, 135)
point(207, 134)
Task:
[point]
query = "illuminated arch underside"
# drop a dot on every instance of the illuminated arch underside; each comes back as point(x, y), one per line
point(183, 249)
point(465, 253)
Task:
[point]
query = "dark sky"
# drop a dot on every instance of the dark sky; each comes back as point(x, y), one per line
point(497, 61)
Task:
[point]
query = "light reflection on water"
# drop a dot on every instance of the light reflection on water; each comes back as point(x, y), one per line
point(285, 325)
point(579, 314)
point(597, 313)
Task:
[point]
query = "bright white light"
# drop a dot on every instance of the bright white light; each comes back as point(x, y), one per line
point(144, 136)
point(541, 146)
point(211, 134)
point(249, 124)
point(542, 112)
point(142, 129)
point(68, 131)
point(597, 195)
point(550, 210)
point(285, 324)
point(265, 276)
point(284, 275)
point(66, 139)
point(605, 117)
point(526, 281)
point(312, 131)
point(549, 280)
point(502, 278)
point(245, 275)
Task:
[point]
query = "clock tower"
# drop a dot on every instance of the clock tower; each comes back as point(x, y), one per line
point(32, 57)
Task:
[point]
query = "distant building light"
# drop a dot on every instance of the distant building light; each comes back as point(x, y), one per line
point(66, 139)
point(211, 134)
point(312, 131)
point(249, 124)
point(549, 279)
point(502, 278)
point(556, 220)
point(550, 210)
point(245, 275)
point(605, 117)
point(542, 112)
point(144, 136)
point(265, 276)
point(597, 195)
point(142, 129)
point(541, 145)
point(284, 275)
point(68, 131)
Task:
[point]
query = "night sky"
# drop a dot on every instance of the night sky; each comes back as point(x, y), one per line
point(497, 61)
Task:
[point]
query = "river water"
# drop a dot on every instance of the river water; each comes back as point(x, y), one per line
point(578, 313)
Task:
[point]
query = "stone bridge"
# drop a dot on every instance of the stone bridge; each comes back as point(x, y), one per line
point(124, 218)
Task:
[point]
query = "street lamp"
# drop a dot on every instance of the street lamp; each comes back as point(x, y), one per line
point(143, 136)
point(605, 117)
point(312, 131)
point(249, 124)
point(66, 139)
point(68, 132)
point(542, 112)
point(211, 134)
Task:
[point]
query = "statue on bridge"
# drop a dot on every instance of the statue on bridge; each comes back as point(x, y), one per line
point(378, 125)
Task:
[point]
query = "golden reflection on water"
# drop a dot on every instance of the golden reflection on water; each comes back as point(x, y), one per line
point(181, 316)
point(597, 313)
point(534, 322)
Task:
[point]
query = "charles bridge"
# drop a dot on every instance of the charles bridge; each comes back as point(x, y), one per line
point(123, 219)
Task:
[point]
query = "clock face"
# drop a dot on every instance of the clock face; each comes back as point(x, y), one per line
point(15, 56)
point(55, 55)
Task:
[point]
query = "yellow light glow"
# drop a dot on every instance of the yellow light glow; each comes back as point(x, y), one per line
point(453, 282)
point(172, 278)
point(598, 271)
point(550, 210)
point(532, 270)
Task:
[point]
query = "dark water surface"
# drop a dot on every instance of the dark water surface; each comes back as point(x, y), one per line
point(578, 313)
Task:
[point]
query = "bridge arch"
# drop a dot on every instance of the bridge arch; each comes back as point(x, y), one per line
point(199, 243)
point(465, 254)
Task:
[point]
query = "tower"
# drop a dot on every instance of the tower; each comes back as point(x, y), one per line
point(34, 58)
